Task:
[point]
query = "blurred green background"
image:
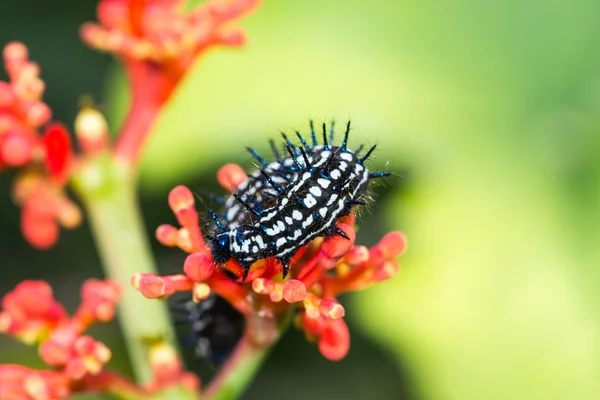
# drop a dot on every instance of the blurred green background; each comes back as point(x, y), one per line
point(490, 114)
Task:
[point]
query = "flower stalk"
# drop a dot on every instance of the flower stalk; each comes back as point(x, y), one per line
point(107, 189)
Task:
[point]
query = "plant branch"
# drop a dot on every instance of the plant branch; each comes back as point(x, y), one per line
point(150, 88)
point(107, 188)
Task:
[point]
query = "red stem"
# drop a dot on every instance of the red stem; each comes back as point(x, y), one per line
point(150, 88)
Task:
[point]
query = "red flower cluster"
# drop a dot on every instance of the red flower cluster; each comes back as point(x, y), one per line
point(45, 152)
point(31, 314)
point(157, 41)
point(162, 32)
point(320, 272)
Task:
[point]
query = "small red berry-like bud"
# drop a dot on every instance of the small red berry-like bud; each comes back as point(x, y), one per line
point(263, 285)
point(15, 149)
point(294, 291)
point(390, 246)
point(277, 294)
point(75, 369)
point(102, 353)
point(331, 309)
point(312, 326)
point(386, 271)
point(181, 201)
point(15, 56)
point(37, 114)
point(99, 299)
point(334, 342)
point(40, 229)
point(187, 217)
point(152, 286)
point(56, 351)
point(167, 235)
point(230, 176)
point(68, 214)
point(93, 355)
point(57, 144)
point(84, 345)
point(198, 266)
point(357, 255)
point(180, 198)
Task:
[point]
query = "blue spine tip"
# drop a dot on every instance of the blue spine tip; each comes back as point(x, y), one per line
point(313, 134)
point(345, 142)
point(363, 158)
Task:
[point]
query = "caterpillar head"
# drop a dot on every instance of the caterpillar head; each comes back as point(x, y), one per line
point(220, 248)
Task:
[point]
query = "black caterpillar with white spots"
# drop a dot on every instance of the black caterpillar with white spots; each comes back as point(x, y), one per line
point(291, 201)
point(215, 328)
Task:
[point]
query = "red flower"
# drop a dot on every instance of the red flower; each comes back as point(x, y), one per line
point(162, 32)
point(157, 42)
point(31, 314)
point(44, 206)
point(46, 157)
point(22, 111)
point(21, 383)
point(321, 271)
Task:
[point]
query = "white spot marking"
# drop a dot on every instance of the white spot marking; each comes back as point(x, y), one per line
point(281, 226)
point(315, 191)
point(309, 201)
point(308, 221)
point(325, 182)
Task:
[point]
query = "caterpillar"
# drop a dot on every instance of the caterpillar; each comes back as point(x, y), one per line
point(287, 203)
point(215, 328)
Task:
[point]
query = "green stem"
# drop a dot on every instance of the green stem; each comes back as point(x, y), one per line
point(107, 189)
point(232, 382)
